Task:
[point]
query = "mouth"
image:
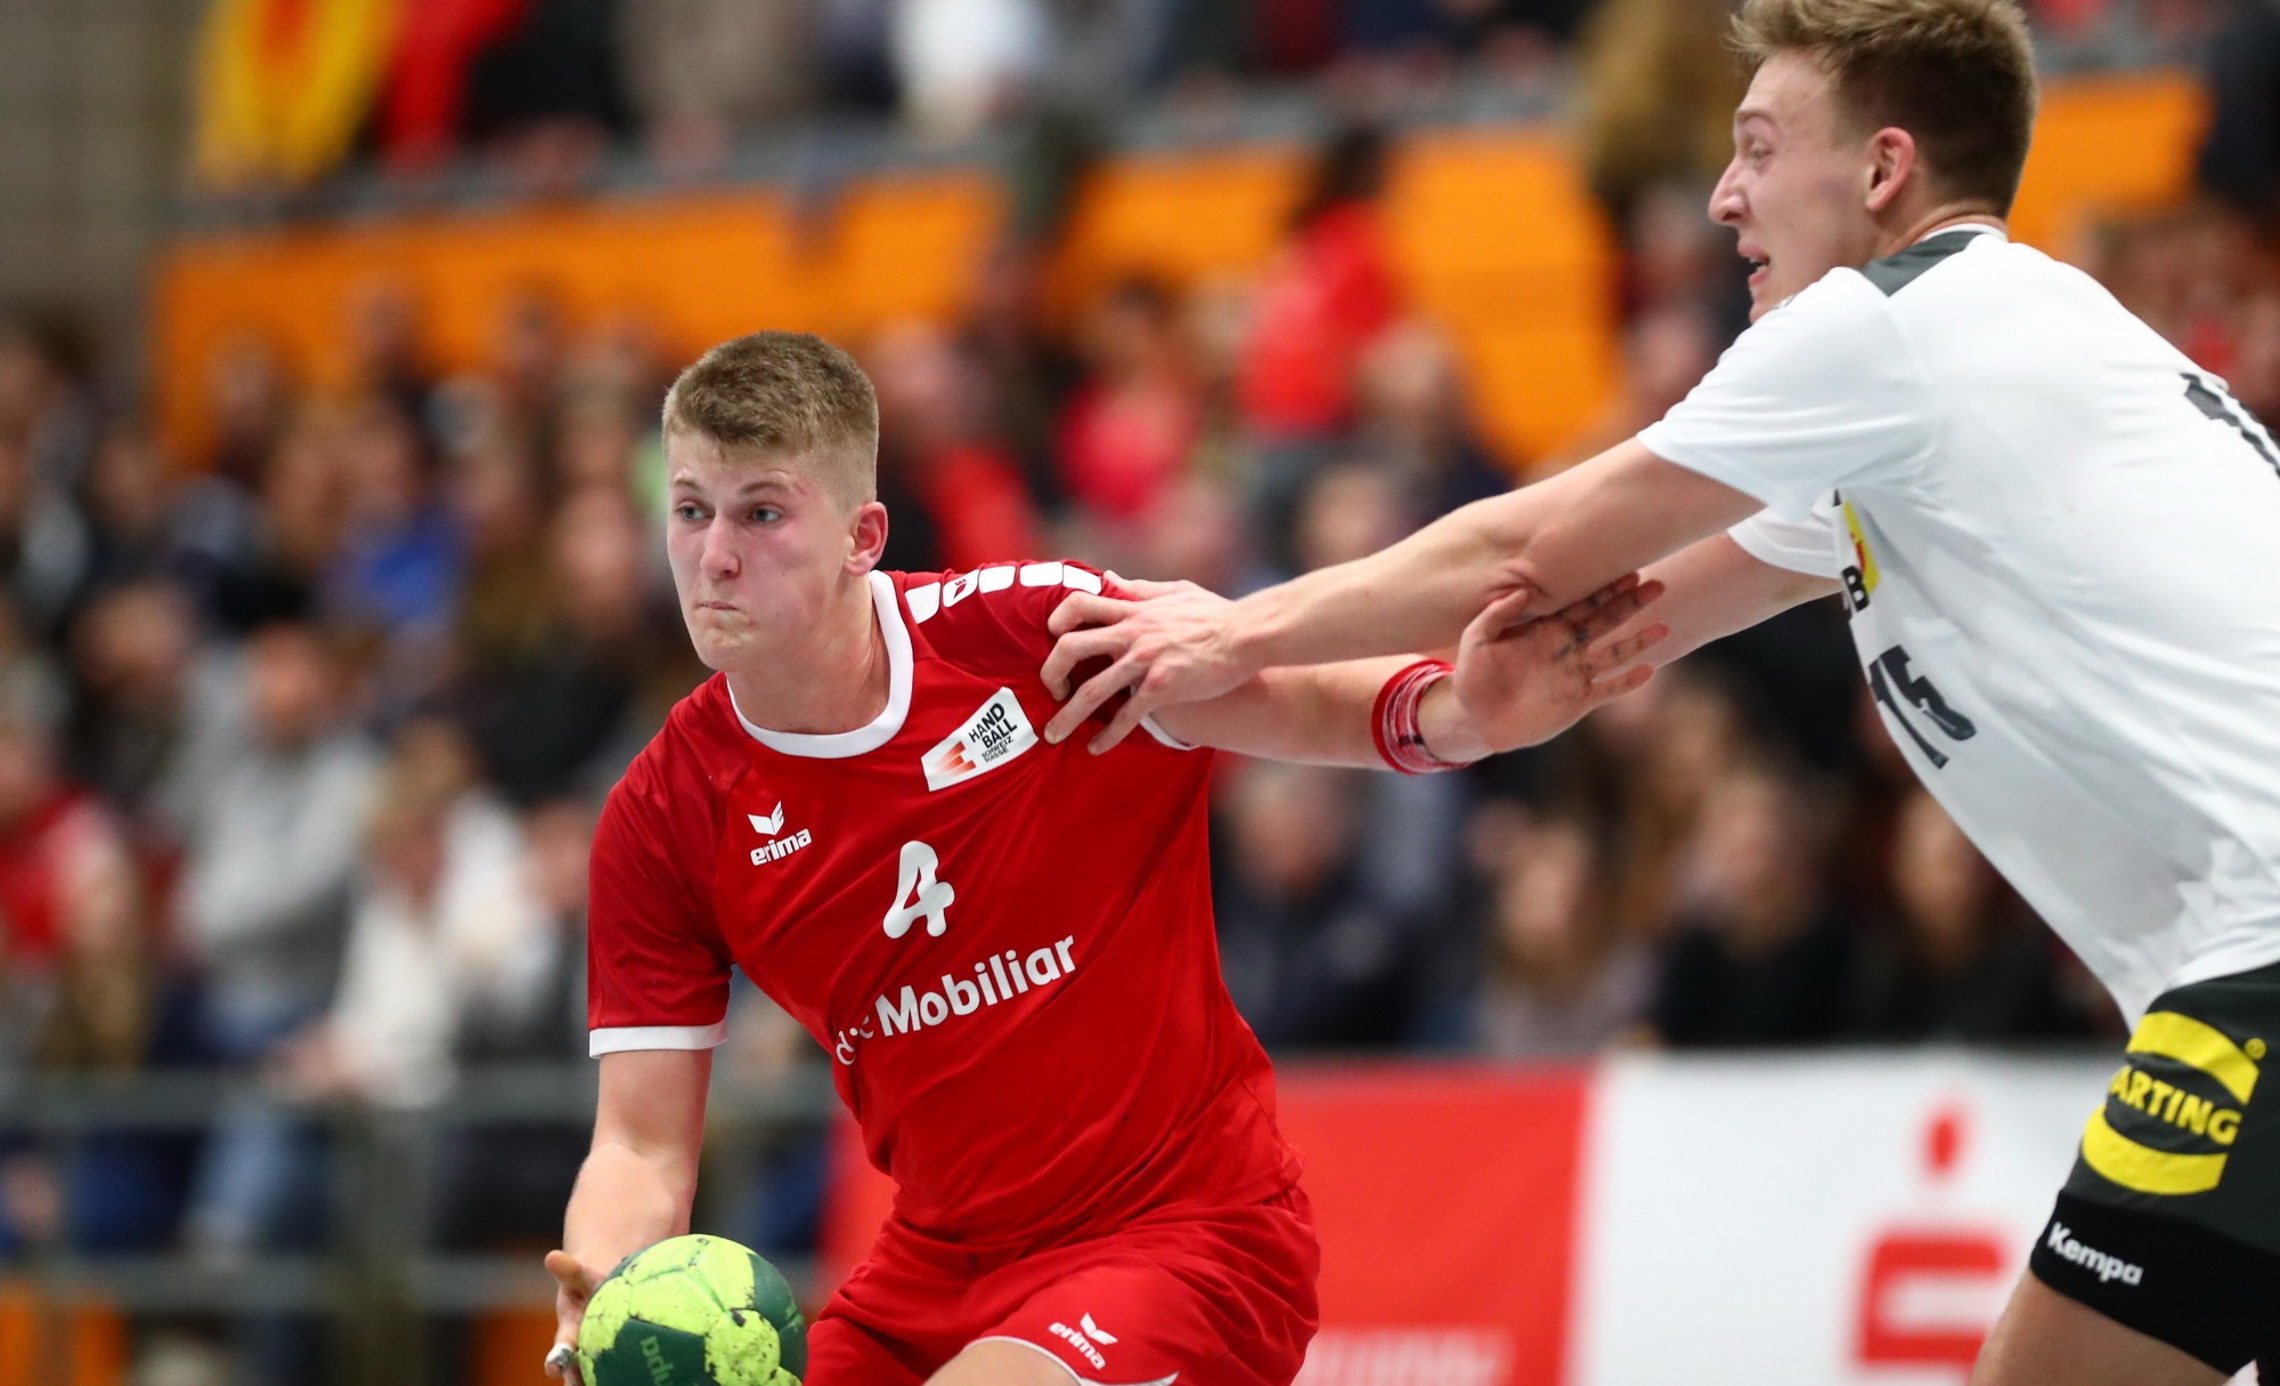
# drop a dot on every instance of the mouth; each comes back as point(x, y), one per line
point(1758, 264)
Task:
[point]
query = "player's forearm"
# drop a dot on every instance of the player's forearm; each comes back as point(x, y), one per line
point(626, 1199)
point(640, 1177)
point(1415, 594)
point(1316, 714)
point(1715, 587)
point(1556, 540)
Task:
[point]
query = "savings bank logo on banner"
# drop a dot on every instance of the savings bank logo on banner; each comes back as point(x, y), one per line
point(1814, 1221)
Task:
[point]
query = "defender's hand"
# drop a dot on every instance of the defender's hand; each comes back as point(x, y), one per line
point(1172, 646)
point(573, 1286)
point(1520, 681)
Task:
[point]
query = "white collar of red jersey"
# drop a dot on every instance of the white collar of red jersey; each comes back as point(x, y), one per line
point(882, 729)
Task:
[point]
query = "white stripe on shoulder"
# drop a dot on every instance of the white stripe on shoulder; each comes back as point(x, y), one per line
point(622, 1040)
point(923, 602)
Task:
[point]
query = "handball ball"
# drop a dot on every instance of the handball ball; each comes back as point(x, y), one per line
point(693, 1311)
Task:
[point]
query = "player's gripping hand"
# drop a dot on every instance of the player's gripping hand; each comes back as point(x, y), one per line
point(1521, 680)
point(1170, 646)
point(573, 1286)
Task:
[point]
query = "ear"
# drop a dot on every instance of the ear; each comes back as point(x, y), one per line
point(868, 534)
point(1891, 164)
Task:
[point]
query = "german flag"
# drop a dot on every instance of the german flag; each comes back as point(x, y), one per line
point(282, 86)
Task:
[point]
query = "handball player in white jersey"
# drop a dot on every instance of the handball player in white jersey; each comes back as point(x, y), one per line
point(2059, 541)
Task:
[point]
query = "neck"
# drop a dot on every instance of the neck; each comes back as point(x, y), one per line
point(834, 680)
point(1907, 231)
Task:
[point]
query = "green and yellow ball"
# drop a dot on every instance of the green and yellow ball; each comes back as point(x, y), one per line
point(693, 1311)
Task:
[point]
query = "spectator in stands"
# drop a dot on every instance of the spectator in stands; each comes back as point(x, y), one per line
point(1327, 295)
point(1197, 531)
point(1130, 428)
point(387, 359)
point(498, 507)
point(1311, 959)
point(2239, 160)
point(1659, 87)
point(941, 469)
point(154, 714)
point(396, 573)
point(699, 71)
point(1348, 510)
point(1959, 963)
point(1563, 979)
point(43, 537)
point(1023, 371)
point(72, 942)
point(262, 907)
point(503, 1185)
point(273, 846)
point(542, 711)
point(1758, 958)
point(130, 507)
point(295, 531)
point(1412, 418)
point(446, 923)
point(959, 63)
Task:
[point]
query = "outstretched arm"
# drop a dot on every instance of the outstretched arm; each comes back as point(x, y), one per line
point(1716, 587)
point(1546, 544)
point(1518, 681)
point(638, 1181)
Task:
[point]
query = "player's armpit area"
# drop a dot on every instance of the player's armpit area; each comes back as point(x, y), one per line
point(1714, 587)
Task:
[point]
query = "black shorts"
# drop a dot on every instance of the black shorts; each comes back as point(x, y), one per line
point(2170, 1222)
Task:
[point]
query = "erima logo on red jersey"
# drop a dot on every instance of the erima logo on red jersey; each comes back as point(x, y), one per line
point(773, 824)
point(997, 732)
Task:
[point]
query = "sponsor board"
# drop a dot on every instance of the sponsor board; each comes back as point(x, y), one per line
point(1840, 1220)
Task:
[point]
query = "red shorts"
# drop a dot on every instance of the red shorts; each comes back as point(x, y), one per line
point(1220, 1297)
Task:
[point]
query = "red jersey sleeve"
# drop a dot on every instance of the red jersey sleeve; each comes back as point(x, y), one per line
point(656, 967)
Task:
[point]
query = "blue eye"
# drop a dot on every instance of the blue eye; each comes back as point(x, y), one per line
point(767, 514)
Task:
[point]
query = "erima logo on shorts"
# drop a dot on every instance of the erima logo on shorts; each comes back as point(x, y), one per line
point(996, 733)
point(1083, 1342)
point(2098, 1263)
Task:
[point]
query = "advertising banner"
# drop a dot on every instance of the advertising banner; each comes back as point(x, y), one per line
point(1830, 1220)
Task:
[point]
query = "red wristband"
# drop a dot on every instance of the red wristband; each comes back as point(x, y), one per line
point(1393, 723)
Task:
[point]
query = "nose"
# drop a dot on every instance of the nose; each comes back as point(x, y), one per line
point(1726, 202)
point(719, 555)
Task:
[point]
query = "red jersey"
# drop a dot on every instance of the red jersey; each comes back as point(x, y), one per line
point(1006, 945)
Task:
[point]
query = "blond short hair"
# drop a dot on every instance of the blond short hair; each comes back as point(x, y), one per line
point(1958, 75)
point(785, 393)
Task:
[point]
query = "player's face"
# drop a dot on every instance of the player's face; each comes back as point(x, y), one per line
point(1797, 190)
point(762, 550)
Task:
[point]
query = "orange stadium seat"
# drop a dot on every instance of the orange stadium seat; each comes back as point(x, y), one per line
point(1493, 231)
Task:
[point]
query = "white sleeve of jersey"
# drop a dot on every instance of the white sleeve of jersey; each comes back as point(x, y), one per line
point(1802, 546)
point(1820, 392)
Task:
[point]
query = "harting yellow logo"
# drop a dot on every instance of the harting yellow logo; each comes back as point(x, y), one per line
point(1861, 555)
point(2203, 1048)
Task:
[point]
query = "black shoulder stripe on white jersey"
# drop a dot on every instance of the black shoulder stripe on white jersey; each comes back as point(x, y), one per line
point(1896, 272)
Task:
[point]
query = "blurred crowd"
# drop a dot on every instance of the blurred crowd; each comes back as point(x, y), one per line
point(302, 738)
point(288, 91)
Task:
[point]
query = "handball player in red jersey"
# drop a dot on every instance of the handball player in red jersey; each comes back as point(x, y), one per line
point(1005, 946)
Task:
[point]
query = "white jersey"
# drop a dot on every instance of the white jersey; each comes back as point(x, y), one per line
point(2060, 543)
